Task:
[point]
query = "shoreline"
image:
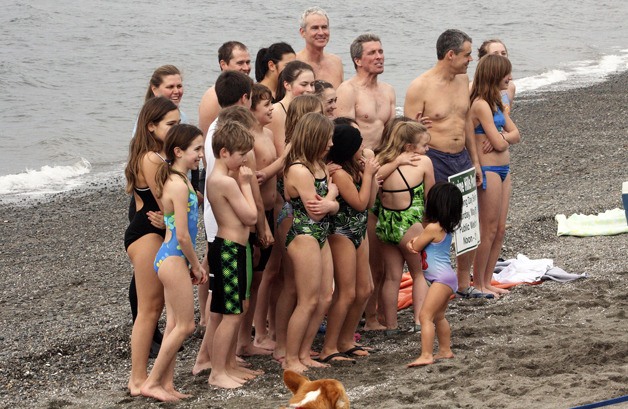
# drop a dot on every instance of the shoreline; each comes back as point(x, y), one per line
point(66, 321)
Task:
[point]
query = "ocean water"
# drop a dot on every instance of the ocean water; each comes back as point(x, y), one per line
point(73, 74)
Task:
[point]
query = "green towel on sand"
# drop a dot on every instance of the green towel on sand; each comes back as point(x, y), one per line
point(604, 224)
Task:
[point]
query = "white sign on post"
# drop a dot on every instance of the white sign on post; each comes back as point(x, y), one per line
point(467, 235)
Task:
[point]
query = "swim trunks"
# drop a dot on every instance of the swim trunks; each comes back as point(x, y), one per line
point(301, 221)
point(171, 248)
point(392, 224)
point(502, 171)
point(447, 164)
point(230, 263)
point(498, 119)
point(349, 222)
point(436, 263)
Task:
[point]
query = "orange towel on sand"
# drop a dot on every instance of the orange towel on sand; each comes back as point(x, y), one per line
point(405, 290)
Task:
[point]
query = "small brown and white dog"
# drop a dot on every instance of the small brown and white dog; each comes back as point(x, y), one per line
point(320, 394)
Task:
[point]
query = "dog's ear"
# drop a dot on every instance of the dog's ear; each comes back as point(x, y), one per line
point(337, 395)
point(293, 380)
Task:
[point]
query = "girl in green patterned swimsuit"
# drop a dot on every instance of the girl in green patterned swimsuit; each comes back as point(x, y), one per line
point(313, 197)
point(400, 215)
point(353, 284)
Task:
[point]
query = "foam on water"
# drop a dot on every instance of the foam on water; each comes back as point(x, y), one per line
point(575, 74)
point(48, 179)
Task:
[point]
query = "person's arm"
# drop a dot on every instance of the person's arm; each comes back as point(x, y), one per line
point(414, 105)
point(482, 111)
point(345, 105)
point(428, 176)
point(150, 164)
point(208, 110)
point(418, 243)
point(239, 195)
point(357, 199)
point(406, 158)
point(471, 148)
point(278, 127)
point(511, 132)
point(178, 192)
point(301, 180)
point(264, 235)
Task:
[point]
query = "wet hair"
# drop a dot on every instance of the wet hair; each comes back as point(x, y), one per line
point(491, 69)
point(483, 50)
point(273, 53)
point(231, 86)
point(308, 12)
point(225, 52)
point(388, 131)
point(345, 120)
point(403, 133)
point(347, 141)
point(300, 106)
point(179, 136)
point(320, 86)
point(290, 73)
point(158, 78)
point(309, 141)
point(259, 93)
point(153, 112)
point(232, 136)
point(444, 206)
point(357, 46)
point(451, 39)
point(236, 113)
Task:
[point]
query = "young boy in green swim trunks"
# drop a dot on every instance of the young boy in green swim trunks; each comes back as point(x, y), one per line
point(233, 205)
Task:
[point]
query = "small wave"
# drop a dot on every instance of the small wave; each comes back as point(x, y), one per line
point(575, 74)
point(49, 179)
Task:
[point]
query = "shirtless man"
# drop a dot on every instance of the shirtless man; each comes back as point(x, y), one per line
point(232, 55)
point(369, 102)
point(442, 94)
point(315, 31)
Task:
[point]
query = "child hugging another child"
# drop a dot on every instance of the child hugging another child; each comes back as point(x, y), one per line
point(232, 201)
point(443, 212)
point(400, 214)
point(313, 197)
point(176, 262)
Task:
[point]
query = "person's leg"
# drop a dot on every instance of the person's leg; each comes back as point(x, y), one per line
point(203, 295)
point(489, 203)
point(288, 294)
point(496, 248)
point(434, 306)
point(180, 311)
point(377, 272)
point(363, 291)
point(304, 253)
point(224, 340)
point(150, 295)
point(269, 276)
point(413, 260)
point(393, 268)
point(245, 340)
point(344, 266)
point(203, 358)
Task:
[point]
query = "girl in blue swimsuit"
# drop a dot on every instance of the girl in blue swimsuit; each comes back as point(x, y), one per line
point(176, 262)
point(494, 133)
point(353, 283)
point(443, 212)
point(313, 197)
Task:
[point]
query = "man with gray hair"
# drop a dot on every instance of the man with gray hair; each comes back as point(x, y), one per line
point(442, 95)
point(314, 28)
point(370, 102)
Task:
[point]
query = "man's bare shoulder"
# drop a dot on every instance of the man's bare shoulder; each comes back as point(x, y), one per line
point(333, 59)
point(422, 82)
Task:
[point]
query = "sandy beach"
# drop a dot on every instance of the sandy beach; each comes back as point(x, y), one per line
point(65, 319)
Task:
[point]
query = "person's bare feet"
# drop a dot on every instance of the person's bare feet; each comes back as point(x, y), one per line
point(157, 392)
point(135, 387)
point(310, 363)
point(177, 394)
point(265, 343)
point(497, 290)
point(443, 355)
point(251, 349)
point(420, 361)
point(374, 326)
point(297, 366)
point(200, 366)
point(223, 381)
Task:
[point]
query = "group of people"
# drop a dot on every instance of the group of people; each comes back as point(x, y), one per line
point(315, 195)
